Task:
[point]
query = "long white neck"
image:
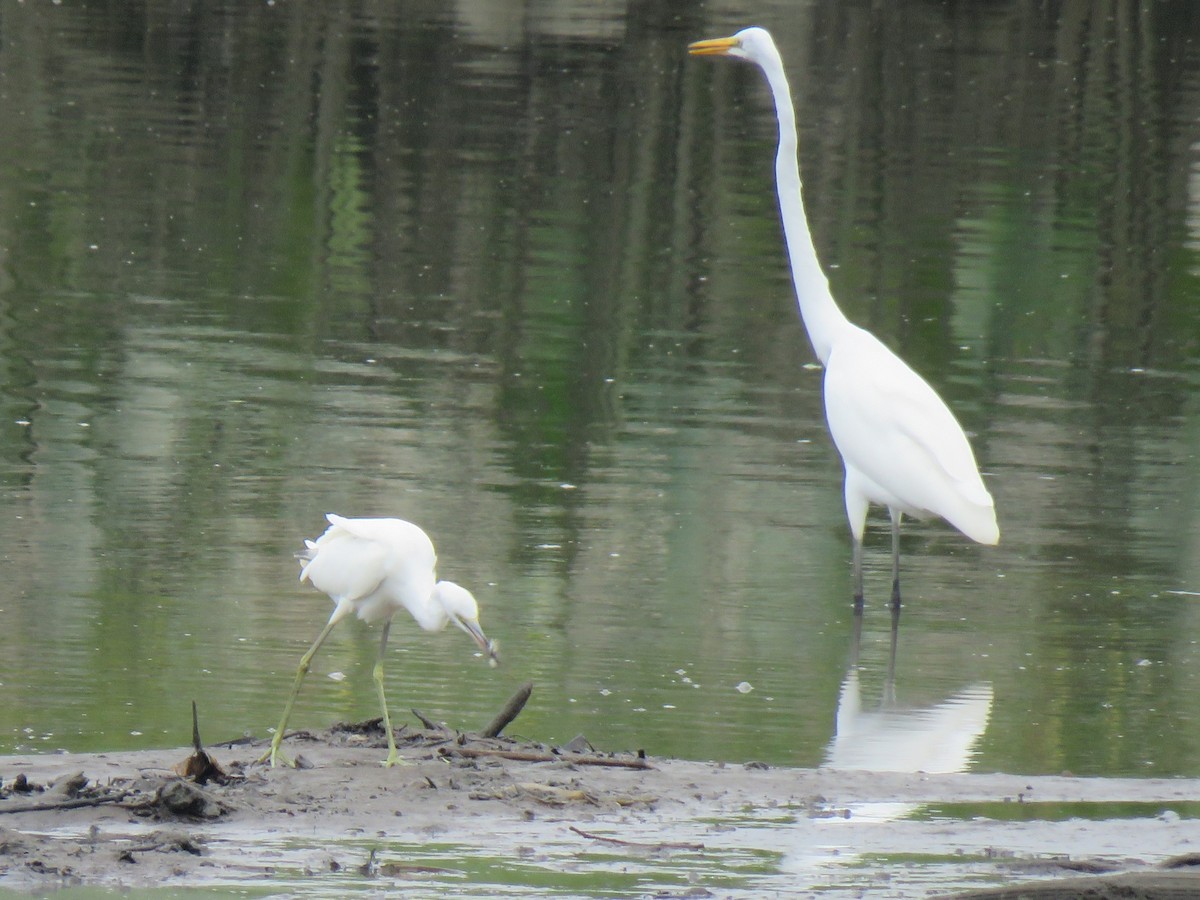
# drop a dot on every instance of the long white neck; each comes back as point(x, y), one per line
point(822, 317)
point(429, 612)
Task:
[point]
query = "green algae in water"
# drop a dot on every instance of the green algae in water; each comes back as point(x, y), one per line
point(556, 869)
point(1036, 811)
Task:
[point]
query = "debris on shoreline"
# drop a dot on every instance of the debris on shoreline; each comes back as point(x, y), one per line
point(216, 816)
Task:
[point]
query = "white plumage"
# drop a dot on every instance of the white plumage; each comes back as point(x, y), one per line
point(899, 442)
point(901, 445)
point(373, 568)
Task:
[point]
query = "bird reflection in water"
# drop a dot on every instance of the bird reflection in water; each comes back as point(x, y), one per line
point(936, 739)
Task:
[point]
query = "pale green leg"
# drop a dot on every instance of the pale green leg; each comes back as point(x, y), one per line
point(274, 755)
point(393, 756)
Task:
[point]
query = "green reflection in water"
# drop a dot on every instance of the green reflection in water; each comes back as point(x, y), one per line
point(292, 262)
point(1036, 811)
point(560, 869)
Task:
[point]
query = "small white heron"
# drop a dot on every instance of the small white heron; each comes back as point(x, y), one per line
point(373, 568)
point(900, 444)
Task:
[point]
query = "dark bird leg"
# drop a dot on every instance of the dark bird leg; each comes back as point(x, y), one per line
point(856, 638)
point(889, 687)
point(896, 559)
point(857, 554)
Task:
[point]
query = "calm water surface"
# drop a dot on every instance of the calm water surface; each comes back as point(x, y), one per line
point(519, 278)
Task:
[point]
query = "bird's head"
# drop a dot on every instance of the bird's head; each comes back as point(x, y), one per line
point(460, 608)
point(752, 44)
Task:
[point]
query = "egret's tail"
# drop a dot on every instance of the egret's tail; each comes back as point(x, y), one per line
point(977, 522)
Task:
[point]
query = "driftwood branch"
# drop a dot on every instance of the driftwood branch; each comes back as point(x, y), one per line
point(579, 759)
point(511, 710)
point(71, 803)
point(427, 722)
point(171, 842)
point(641, 845)
point(200, 766)
point(196, 745)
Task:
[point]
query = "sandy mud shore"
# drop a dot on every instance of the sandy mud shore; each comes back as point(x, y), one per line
point(487, 817)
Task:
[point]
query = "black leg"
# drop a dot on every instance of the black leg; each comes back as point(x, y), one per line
point(856, 635)
point(889, 687)
point(896, 560)
point(857, 554)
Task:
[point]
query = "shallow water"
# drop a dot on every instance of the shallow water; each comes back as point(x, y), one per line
point(519, 278)
point(891, 849)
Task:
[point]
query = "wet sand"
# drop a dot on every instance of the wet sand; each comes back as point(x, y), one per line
point(462, 817)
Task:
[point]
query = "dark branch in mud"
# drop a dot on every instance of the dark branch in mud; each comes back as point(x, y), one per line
point(200, 766)
point(511, 710)
point(71, 803)
point(618, 762)
point(174, 842)
point(427, 722)
point(641, 845)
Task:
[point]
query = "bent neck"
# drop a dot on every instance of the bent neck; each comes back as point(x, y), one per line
point(430, 613)
point(822, 317)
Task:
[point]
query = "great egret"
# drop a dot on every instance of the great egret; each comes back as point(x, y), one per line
point(374, 567)
point(900, 444)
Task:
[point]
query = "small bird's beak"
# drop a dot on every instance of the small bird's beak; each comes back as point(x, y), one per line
point(715, 47)
point(488, 646)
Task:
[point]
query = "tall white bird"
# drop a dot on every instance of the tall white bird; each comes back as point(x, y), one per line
point(375, 567)
point(899, 442)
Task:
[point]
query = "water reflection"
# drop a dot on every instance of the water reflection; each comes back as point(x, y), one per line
point(492, 270)
point(939, 738)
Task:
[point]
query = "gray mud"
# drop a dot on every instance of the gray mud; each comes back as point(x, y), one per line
point(469, 817)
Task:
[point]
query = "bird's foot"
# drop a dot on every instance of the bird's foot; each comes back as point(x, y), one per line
point(275, 756)
point(394, 759)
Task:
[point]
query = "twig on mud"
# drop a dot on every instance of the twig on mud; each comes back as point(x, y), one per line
point(72, 803)
point(200, 766)
point(427, 722)
point(511, 710)
point(244, 741)
point(662, 845)
point(172, 842)
point(533, 756)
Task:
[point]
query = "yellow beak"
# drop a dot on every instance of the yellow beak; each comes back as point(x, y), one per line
point(715, 47)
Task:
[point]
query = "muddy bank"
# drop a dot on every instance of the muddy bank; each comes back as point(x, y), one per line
point(464, 816)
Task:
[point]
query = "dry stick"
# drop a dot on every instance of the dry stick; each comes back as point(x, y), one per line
point(200, 766)
point(199, 748)
point(511, 710)
point(639, 844)
point(428, 723)
point(184, 843)
point(73, 803)
point(530, 756)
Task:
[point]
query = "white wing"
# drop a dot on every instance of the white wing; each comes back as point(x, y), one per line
point(894, 429)
point(373, 566)
point(344, 566)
